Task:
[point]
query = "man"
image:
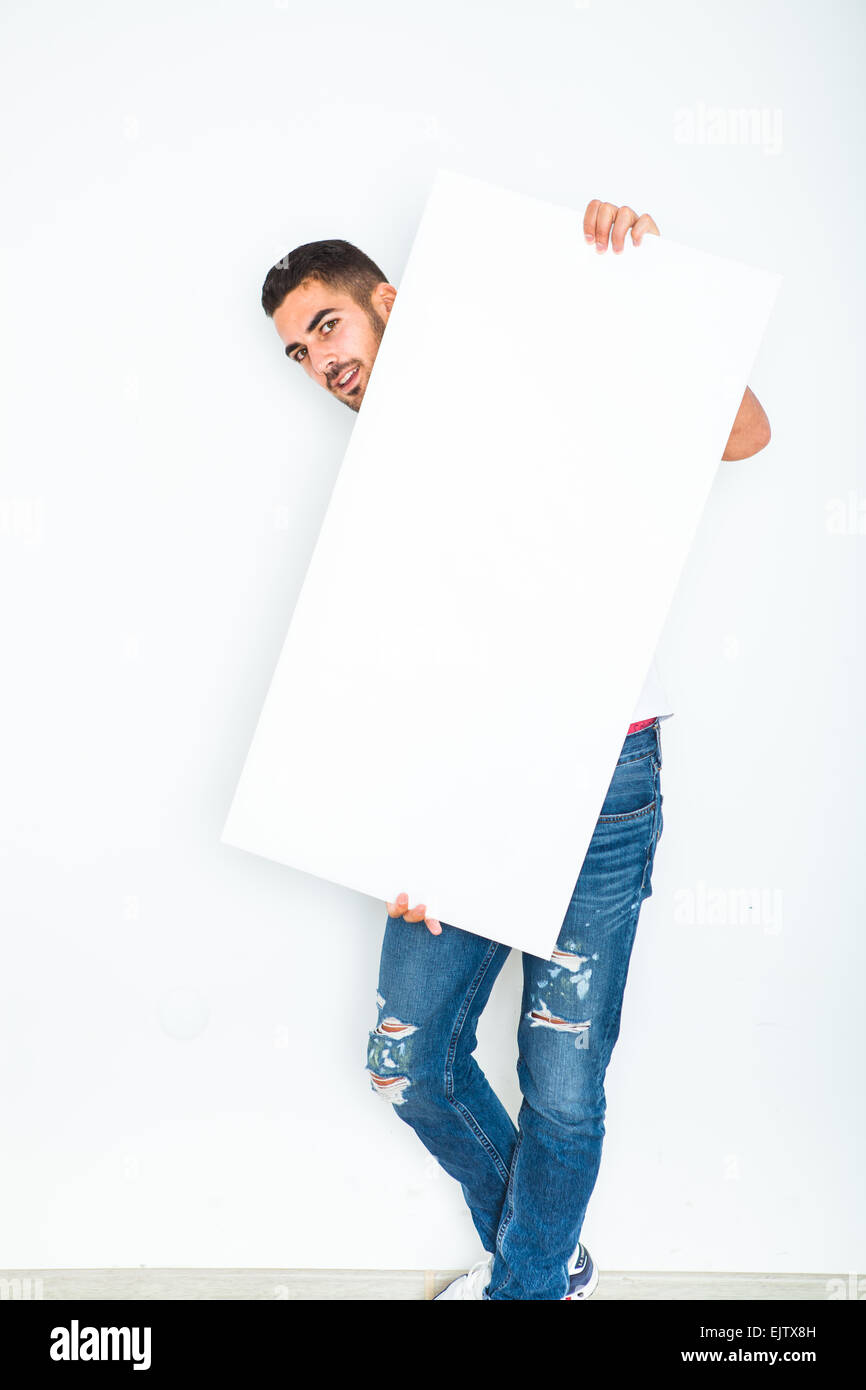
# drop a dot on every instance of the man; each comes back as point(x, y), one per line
point(527, 1187)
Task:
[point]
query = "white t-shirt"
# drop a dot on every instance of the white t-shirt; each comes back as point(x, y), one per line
point(653, 700)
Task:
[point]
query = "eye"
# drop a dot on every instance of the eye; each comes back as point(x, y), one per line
point(327, 324)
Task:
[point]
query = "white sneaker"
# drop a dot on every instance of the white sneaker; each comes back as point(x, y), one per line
point(471, 1285)
point(583, 1280)
point(583, 1275)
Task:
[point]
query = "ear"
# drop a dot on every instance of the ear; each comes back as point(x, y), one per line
point(384, 296)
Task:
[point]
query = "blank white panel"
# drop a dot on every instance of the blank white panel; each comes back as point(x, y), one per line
point(522, 485)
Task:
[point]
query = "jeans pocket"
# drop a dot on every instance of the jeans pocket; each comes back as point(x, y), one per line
point(632, 791)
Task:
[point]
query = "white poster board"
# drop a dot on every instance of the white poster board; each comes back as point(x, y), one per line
point(523, 482)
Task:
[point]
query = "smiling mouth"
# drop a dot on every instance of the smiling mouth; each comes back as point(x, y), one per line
point(348, 380)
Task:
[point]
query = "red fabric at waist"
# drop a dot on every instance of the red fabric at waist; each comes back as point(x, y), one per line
point(641, 724)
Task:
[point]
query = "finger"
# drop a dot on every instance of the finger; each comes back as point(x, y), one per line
point(434, 926)
point(603, 222)
point(625, 218)
point(396, 909)
point(589, 219)
point(417, 914)
point(643, 225)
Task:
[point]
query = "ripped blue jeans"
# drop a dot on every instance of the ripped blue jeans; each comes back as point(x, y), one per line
point(527, 1187)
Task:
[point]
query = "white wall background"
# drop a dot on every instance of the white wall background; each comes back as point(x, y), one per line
point(183, 1025)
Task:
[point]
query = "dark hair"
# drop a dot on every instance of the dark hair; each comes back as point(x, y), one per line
point(336, 263)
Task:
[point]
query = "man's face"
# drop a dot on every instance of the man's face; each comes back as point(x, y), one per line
point(333, 338)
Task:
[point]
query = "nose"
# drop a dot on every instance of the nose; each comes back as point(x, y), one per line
point(322, 362)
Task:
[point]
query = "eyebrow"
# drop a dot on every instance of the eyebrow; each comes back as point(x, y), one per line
point(316, 319)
